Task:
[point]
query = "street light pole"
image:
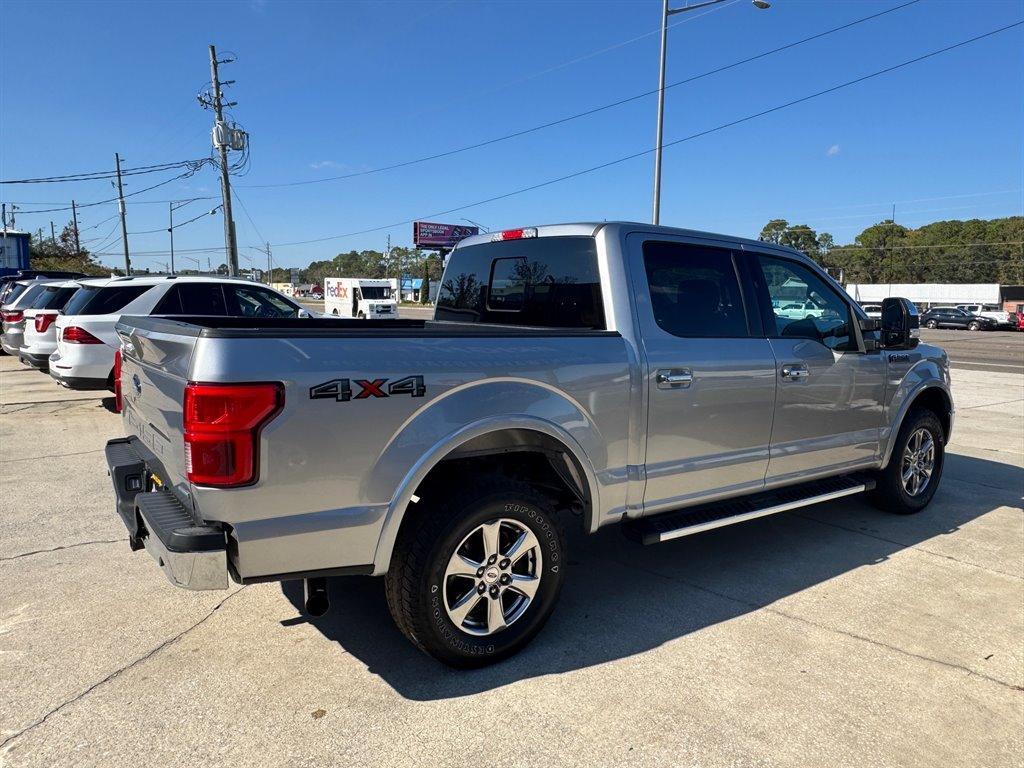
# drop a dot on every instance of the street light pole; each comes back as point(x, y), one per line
point(665, 13)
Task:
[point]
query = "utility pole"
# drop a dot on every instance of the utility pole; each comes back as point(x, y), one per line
point(3, 206)
point(74, 218)
point(270, 266)
point(53, 234)
point(124, 223)
point(221, 142)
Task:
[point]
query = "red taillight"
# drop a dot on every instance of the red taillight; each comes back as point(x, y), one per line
point(11, 316)
point(44, 320)
point(222, 424)
point(75, 335)
point(514, 234)
point(118, 401)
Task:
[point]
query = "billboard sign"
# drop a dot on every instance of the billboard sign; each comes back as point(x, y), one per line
point(427, 234)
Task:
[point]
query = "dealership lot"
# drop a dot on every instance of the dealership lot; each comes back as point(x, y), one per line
point(835, 635)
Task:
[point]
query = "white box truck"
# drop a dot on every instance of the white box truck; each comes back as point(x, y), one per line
point(359, 297)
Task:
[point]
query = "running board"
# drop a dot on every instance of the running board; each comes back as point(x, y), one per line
point(691, 520)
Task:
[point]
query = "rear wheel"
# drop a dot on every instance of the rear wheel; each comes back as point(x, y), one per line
point(910, 480)
point(475, 576)
point(931, 324)
point(974, 325)
point(361, 316)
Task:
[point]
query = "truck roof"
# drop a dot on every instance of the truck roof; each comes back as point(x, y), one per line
point(591, 228)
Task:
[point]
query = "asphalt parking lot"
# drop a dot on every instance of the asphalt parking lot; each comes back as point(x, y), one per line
point(831, 636)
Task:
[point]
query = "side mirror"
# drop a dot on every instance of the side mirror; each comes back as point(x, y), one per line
point(303, 313)
point(901, 325)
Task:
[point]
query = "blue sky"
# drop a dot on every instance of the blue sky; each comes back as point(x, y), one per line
point(331, 88)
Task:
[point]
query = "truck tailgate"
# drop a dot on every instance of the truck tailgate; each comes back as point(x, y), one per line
point(154, 372)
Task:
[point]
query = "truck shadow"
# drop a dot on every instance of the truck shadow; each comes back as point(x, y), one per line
point(620, 599)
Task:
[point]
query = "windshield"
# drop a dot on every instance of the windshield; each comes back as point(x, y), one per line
point(551, 282)
point(29, 295)
point(375, 292)
point(52, 297)
point(11, 292)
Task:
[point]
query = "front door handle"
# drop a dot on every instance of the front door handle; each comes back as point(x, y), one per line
point(674, 378)
point(795, 371)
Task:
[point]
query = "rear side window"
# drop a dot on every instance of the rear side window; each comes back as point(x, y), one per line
point(695, 292)
point(192, 299)
point(549, 282)
point(29, 295)
point(52, 297)
point(103, 301)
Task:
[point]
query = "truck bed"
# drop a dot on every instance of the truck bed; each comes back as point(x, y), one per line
point(217, 327)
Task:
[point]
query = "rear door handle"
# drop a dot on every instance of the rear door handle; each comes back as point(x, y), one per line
point(795, 371)
point(674, 378)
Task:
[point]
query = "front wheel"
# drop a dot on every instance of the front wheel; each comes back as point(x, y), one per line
point(361, 316)
point(931, 324)
point(974, 326)
point(910, 480)
point(475, 576)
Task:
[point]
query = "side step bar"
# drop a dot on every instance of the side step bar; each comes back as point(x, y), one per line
point(691, 520)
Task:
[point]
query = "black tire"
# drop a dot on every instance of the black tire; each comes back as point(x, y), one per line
point(931, 324)
point(415, 582)
point(361, 316)
point(334, 312)
point(889, 493)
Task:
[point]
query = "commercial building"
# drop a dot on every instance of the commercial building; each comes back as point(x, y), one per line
point(926, 295)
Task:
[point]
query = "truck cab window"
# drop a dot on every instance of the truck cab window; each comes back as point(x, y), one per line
point(805, 306)
point(694, 290)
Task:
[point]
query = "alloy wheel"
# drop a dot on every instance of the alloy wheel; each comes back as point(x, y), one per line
point(918, 462)
point(492, 577)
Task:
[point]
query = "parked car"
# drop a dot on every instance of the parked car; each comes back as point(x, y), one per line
point(40, 335)
point(6, 281)
point(872, 310)
point(951, 317)
point(12, 314)
point(1001, 316)
point(625, 373)
point(84, 358)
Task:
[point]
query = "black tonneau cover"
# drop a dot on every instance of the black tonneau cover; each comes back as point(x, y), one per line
point(218, 327)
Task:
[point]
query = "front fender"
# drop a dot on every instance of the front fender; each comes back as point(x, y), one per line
point(927, 373)
point(467, 413)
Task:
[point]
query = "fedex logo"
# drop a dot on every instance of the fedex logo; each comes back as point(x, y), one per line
point(337, 291)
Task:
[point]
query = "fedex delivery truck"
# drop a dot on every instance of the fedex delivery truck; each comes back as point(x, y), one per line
point(358, 297)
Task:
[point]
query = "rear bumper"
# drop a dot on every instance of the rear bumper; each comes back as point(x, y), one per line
point(39, 362)
point(192, 554)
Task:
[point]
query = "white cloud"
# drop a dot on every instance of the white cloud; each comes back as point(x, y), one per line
point(317, 165)
point(833, 150)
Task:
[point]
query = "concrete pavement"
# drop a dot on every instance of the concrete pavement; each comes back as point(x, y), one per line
point(834, 635)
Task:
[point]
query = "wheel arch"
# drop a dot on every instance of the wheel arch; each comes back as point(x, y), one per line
point(497, 438)
point(932, 395)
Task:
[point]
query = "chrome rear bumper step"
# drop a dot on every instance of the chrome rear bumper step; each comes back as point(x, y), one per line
point(691, 520)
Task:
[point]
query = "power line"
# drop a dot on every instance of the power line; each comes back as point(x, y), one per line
point(192, 171)
point(101, 175)
point(691, 137)
point(586, 113)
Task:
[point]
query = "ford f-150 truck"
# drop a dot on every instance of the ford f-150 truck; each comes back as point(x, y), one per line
point(581, 374)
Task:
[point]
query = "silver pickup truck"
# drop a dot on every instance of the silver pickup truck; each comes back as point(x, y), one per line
point(573, 375)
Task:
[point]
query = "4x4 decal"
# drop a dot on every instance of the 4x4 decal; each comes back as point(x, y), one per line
point(340, 390)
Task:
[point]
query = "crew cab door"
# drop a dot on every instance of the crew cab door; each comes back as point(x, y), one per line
point(828, 409)
point(709, 372)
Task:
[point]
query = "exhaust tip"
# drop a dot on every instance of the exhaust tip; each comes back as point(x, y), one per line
point(317, 603)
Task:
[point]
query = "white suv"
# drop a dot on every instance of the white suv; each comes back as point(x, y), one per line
point(86, 340)
point(39, 335)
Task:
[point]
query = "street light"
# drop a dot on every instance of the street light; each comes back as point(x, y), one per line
point(666, 12)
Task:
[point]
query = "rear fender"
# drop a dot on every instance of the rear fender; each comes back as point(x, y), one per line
point(468, 413)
